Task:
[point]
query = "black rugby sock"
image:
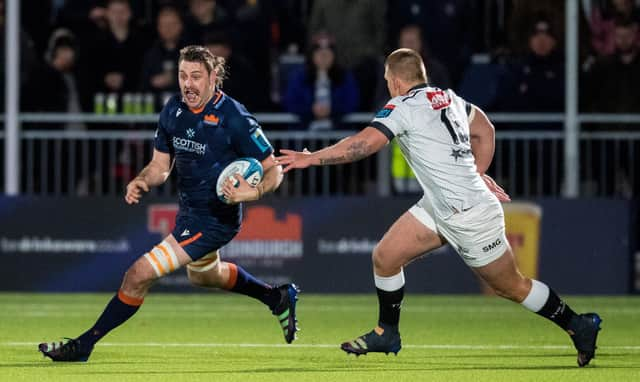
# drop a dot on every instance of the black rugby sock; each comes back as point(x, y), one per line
point(389, 306)
point(557, 310)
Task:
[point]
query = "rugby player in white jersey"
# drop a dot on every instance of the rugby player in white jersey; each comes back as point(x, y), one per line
point(449, 144)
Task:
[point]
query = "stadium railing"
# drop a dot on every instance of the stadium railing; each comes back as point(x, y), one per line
point(528, 162)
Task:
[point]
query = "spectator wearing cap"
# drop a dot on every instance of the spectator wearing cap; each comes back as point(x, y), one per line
point(56, 86)
point(161, 60)
point(321, 92)
point(613, 82)
point(242, 83)
point(535, 82)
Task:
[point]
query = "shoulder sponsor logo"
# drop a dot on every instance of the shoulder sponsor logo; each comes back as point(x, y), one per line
point(492, 246)
point(260, 140)
point(438, 99)
point(178, 112)
point(385, 111)
point(186, 232)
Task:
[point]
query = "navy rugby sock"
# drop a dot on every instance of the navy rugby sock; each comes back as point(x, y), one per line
point(241, 281)
point(120, 309)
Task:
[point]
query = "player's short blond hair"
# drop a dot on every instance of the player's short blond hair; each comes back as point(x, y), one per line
point(198, 53)
point(407, 65)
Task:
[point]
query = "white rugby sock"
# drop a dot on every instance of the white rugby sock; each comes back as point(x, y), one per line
point(391, 283)
point(537, 297)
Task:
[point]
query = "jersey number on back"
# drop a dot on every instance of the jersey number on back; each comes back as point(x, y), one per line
point(457, 134)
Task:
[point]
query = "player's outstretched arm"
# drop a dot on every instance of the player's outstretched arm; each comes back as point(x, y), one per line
point(483, 136)
point(154, 174)
point(244, 192)
point(351, 149)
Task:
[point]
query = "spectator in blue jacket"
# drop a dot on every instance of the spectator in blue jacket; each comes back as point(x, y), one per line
point(321, 92)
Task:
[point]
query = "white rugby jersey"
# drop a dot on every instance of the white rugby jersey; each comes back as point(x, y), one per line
point(431, 127)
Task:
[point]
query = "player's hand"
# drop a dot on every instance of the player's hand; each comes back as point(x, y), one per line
point(135, 189)
point(495, 188)
point(294, 159)
point(243, 192)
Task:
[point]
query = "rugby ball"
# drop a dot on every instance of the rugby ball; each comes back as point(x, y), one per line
point(249, 168)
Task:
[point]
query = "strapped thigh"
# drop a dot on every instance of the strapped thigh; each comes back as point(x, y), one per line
point(205, 263)
point(163, 259)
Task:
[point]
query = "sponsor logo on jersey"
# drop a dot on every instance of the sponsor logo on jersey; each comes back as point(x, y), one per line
point(178, 112)
point(191, 133)
point(184, 144)
point(211, 119)
point(492, 246)
point(385, 111)
point(185, 233)
point(438, 99)
point(260, 140)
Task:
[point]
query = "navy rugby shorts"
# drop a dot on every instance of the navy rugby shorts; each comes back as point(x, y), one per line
point(201, 234)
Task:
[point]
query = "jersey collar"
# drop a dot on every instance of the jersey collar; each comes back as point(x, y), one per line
point(214, 101)
point(419, 86)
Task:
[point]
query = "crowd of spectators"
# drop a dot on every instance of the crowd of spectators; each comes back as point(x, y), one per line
point(502, 55)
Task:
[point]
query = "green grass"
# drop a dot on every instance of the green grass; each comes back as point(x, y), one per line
point(223, 337)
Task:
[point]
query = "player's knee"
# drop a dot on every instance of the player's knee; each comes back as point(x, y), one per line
point(139, 275)
point(383, 259)
point(516, 291)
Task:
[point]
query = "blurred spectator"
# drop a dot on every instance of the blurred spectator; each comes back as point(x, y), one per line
point(27, 56)
point(241, 81)
point(323, 91)
point(613, 82)
point(35, 19)
point(119, 50)
point(82, 17)
point(252, 37)
point(603, 20)
point(292, 18)
point(205, 16)
point(447, 27)
point(526, 13)
point(161, 60)
point(359, 28)
point(56, 86)
point(537, 82)
point(411, 37)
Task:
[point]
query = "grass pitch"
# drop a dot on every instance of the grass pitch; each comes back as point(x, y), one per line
point(224, 337)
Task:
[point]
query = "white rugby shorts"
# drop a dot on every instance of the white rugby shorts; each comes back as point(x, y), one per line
point(477, 234)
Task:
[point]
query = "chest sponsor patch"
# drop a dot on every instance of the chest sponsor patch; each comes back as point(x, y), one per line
point(385, 111)
point(438, 99)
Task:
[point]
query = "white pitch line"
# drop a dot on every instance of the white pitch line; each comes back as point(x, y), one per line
point(408, 346)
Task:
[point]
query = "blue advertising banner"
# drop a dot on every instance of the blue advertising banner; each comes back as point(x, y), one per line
point(325, 245)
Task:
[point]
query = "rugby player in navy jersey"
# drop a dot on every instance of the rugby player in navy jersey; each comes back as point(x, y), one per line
point(200, 131)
